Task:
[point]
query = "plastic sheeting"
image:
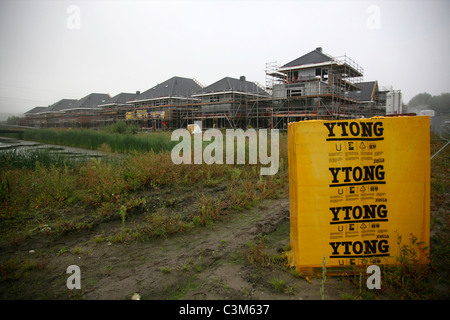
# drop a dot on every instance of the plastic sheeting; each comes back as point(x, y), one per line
point(194, 128)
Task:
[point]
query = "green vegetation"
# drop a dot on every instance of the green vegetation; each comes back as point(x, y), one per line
point(35, 187)
point(115, 138)
point(15, 269)
point(27, 159)
point(324, 279)
point(122, 127)
point(256, 253)
point(409, 279)
point(279, 285)
point(440, 178)
point(165, 269)
point(12, 120)
point(43, 194)
point(425, 101)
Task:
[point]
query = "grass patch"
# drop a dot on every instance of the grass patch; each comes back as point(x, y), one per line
point(35, 186)
point(281, 286)
point(27, 159)
point(256, 253)
point(440, 172)
point(99, 140)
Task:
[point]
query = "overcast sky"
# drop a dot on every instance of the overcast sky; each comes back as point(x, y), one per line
point(50, 50)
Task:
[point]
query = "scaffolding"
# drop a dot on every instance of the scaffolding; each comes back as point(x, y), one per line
point(328, 90)
point(333, 91)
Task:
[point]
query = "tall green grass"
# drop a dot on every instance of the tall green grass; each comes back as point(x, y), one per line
point(27, 159)
point(90, 139)
point(122, 127)
point(32, 189)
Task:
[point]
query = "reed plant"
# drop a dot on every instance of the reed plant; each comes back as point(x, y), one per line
point(47, 182)
point(96, 140)
point(27, 159)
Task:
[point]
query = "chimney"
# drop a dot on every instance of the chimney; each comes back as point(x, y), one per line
point(242, 78)
point(138, 92)
point(319, 49)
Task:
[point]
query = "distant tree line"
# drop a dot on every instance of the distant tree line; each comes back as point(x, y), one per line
point(425, 101)
point(12, 120)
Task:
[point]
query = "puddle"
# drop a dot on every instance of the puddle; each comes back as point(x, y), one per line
point(7, 144)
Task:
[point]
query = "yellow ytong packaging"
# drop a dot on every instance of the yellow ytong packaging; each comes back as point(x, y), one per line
point(359, 192)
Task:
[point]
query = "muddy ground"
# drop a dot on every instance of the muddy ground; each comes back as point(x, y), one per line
point(238, 257)
point(209, 262)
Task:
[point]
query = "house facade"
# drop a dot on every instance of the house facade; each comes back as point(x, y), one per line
point(315, 85)
point(229, 102)
point(166, 105)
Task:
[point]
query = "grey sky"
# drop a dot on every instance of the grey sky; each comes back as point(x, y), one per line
point(125, 46)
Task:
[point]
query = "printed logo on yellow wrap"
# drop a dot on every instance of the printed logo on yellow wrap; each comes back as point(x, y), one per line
point(359, 190)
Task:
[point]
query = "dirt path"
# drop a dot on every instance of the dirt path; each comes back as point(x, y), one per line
point(211, 262)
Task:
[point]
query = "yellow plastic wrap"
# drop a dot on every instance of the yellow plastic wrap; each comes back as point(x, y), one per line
point(130, 115)
point(359, 191)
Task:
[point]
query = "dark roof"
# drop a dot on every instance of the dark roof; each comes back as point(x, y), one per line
point(90, 101)
point(315, 56)
point(121, 98)
point(61, 105)
point(174, 87)
point(36, 110)
point(367, 89)
point(232, 84)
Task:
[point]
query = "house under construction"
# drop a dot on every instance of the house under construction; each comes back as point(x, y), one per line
point(166, 105)
point(319, 86)
point(313, 86)
point(228, 103)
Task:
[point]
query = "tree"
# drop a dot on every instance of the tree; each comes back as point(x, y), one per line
point(13, 120)
point(425, 101)
point(441, 103)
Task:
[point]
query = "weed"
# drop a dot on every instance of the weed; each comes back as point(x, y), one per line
point(256, 252)
point(122, 127)
point(165, 269)
point(293, 272)
point(186, 266)
point(15, 269)
point(277, 284)
point(123, 212)
point(439, 172)
point(407, 279)
point(209, 211)
point(75, 295)
point(61, 252)
point(408, 275)
point(27, 159)
point(280, 286)
point(107, 270)
point(107, 209)
point(77, 250)
point(118, 139)
point(180, 291)
point(279, 260)
point(198, 267)
point(324, 279)
point(99, 239)
point(108, 185)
